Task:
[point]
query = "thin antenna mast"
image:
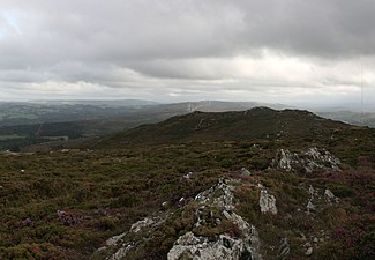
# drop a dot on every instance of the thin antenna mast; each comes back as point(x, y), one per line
point(362, 116)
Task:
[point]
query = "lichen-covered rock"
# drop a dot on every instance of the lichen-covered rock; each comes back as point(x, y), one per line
point(245, 172)
point(147, 222)
point(217, 198)
point(267, 203)
point(200, 248)
point(285, 159)
point(309, 160)
point(220, 196)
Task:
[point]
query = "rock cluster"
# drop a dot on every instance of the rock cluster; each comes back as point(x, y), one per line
point(267, 203)
point(309, 160)
point(147, 222)
point(219, 197)
point(316, 196)
point(189, 246)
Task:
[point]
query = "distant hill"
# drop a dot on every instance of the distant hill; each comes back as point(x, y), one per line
point(354, 118)
point(259, 122)
point(26, 122)
point(77, 119)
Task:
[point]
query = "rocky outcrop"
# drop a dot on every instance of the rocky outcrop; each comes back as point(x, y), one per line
point(318, 199)
point(122, 251)
point(189, 246)
point(212, 207)
point(308, 160)
point(285, 160)
point(267, 203)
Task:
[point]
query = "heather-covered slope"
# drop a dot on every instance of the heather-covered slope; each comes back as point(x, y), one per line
point(259, 122)
point(261, 183)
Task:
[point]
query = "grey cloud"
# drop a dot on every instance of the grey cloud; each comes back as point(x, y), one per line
point(140, 44)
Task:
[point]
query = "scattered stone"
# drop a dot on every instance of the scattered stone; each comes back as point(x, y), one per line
point(310, 206)
point(188, 175)
point(309, 160)
point(330, 197)
point(267, 203)
point(284, 248)
point(284, 160)
point(310, 250)
point(311, 190)
point(181, 202)
point(245, 172)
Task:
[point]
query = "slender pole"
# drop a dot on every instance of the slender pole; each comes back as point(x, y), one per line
point(362, 115)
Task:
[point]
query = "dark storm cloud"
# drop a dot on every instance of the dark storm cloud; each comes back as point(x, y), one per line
point(135, 43)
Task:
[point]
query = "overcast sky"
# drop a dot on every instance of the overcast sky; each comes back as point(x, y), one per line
point(284, 51)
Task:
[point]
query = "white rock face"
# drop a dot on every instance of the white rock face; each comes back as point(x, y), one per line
point(267, 203)
point(200, 248)
point(309, 160)
point(121, 253)
point(285, 160)
point(188, 246)
point(220, 196)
